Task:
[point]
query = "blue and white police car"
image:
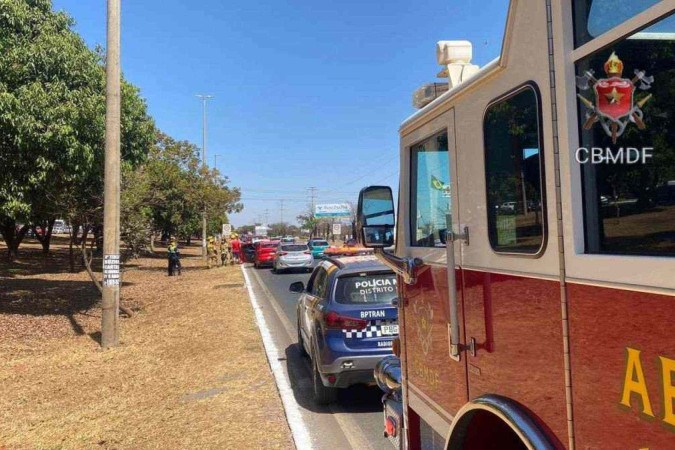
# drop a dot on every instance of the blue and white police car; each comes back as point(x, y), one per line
point(347, 321)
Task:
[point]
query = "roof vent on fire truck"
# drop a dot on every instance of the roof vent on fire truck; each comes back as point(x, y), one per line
point(455, 57)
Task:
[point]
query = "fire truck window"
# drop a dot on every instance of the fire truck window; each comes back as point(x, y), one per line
point(430, 191)
point(626, 115)
point(514, 173)
point(595, 17)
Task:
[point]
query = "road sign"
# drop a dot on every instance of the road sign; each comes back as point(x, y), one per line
point(337, 229)
point(227, 229)
point(332, 210)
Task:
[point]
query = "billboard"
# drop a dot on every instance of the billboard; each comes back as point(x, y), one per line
point(332, 210)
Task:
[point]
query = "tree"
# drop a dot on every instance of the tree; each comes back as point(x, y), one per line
point(175, 190)
point(52, 121)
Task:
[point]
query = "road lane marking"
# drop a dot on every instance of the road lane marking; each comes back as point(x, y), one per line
point(350, 427)
point(293, 414)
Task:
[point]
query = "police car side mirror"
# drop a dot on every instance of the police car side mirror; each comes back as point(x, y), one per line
point(298, 287)
point(375, 218)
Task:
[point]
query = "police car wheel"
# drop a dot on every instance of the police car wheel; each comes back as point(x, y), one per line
point(322, 395)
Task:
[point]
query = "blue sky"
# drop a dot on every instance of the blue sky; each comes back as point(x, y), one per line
point(306, 93)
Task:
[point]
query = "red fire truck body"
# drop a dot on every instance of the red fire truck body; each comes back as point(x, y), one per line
point(564, 276)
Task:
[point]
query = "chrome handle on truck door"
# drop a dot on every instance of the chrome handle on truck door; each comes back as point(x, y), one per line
point(455, 346)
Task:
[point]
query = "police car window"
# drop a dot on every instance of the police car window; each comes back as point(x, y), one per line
point(368, 289)
point(430, 191)
point(319, 283)
point(627, 144)
point(595, 17)
point(513, 164)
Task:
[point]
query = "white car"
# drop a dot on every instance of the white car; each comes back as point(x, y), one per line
point(292, 256)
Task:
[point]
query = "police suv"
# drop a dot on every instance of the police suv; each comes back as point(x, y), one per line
point(346, 321)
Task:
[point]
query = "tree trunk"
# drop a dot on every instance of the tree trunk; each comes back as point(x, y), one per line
point(83, 240)
point(71, 252)
point(46, 237)
point(152, 242)
point(12, 237)
point(87, 264)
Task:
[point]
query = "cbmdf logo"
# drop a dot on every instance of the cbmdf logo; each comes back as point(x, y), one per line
point(614, 105)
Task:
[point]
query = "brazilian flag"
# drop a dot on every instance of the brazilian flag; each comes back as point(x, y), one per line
point(437, 184)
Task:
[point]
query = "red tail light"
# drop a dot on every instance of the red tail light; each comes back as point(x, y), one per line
point(308, 253)
point(283, 253)
point(334, 320)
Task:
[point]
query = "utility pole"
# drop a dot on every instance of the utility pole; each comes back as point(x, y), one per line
point(267, 217)
point(312, 193)
point(215, 161)
point(111, 204)
point(204, 99)
point(281, 211)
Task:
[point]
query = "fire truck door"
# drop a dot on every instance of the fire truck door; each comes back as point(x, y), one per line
point(438, 382)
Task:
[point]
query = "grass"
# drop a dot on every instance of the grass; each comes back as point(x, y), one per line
point(190, 371)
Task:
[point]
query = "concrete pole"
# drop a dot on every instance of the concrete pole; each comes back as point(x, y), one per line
point(204, 99)
point(111, 209)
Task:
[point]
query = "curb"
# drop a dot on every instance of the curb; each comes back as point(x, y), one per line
point(299, 431)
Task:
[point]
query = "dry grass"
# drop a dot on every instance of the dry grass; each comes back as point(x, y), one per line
point(190, 373)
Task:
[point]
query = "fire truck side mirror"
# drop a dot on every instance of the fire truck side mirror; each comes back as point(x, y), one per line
point(375, 218)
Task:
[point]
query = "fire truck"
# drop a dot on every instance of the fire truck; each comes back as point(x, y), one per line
point(535, 255)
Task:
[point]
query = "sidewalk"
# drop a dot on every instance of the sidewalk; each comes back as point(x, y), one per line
point(191, 371)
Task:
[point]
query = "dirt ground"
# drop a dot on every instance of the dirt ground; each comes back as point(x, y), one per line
point(190, 372)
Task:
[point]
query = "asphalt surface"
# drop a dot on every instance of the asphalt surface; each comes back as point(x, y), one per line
point(355, 420)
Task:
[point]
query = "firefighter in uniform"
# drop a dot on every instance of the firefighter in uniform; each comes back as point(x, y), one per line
point(226, 251)
point(212, 253)
point(174, 257)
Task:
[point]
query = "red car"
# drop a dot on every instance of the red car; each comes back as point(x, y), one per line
point(264, 253)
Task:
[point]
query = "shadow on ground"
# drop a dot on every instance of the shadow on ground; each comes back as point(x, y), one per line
point(356, 399)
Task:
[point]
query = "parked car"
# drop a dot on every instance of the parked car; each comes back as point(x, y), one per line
point(292, 256)
point(248, 252)
point(288, 240)
point(264, 253)
point(508, 206)
point(317, 246)
point(346, 321)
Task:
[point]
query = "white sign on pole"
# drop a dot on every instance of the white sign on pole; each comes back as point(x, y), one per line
point(111, 270)
point(332, 210)
point(337, 229)
point(227, 229)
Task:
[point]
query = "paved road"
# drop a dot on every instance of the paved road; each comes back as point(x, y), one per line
point(355, 420)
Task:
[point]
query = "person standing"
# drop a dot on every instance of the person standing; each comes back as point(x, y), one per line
point(174, 257)
point(236, 249)
point(226, 251)
point(212, 253)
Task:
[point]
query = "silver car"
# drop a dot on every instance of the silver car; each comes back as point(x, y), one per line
point(293, 256)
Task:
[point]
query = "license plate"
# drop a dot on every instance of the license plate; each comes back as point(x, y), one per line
point(389, 330)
